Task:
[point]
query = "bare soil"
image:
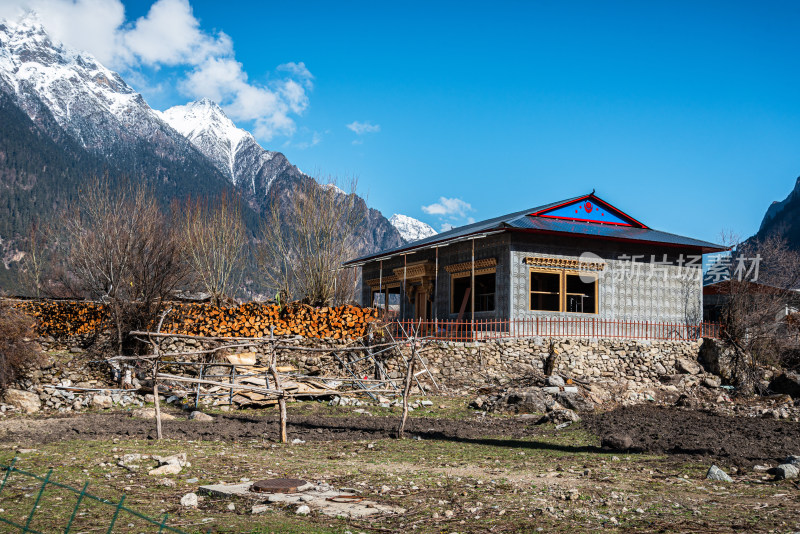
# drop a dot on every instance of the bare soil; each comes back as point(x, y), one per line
point(740, 441)
point(93, 426)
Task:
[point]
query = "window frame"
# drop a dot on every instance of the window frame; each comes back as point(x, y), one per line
point(562, 289)
point(466, 274)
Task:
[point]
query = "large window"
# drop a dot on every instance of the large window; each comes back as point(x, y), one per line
point(558, 290)
point(484, 292)
point(545, 291)
point(388, 300)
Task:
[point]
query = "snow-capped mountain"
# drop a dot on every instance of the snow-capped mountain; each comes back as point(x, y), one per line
point(234, 151)
point(90, 102)
point(66, 118)
point(410, 228)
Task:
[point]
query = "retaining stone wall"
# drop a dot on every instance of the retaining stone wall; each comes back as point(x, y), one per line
point(640, 363)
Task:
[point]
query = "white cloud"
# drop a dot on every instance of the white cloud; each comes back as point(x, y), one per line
point(316, 139)
point(448, 207)
point(361, 128)
point(170, 35)
point(300, 71)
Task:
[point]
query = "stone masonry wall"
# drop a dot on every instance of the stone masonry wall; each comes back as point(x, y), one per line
point(635, 364)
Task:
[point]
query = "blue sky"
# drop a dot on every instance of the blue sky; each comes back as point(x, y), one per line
point(684, 114)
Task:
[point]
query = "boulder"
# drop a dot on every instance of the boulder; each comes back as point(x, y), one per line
point(786, 471)
point(189, 500)
point(102, 401)
point(687, 366)
point(25, 401)
point(555, 380)
point(712, 382)
point(717, 358)
point(200, 416)
point(530, 400)
point(788, 383)
point(617, 442)
point(715, 473)
point(150, 413)
point(575, 401)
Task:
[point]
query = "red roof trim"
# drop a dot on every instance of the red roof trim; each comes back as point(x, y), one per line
point(585, 220)
point(598, 200)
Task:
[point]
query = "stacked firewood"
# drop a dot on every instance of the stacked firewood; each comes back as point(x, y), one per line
point(61, 318)
point(255, 319)
point(252, 319)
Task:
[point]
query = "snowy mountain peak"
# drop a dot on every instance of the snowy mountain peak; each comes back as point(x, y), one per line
point(233, 150)
point(410, 228)
point(91, 102)
point(204, 116)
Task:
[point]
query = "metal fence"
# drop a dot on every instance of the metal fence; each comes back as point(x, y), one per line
point(26, 523)
point(574, 327)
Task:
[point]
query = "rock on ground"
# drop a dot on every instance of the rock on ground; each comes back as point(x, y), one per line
point(189, 500)
point(617, 442)
point(200, 416)
point(102, 401)
point(788, 383)
point(715, 473)
point(687, 366)
point(150, 413)
point(23, 400)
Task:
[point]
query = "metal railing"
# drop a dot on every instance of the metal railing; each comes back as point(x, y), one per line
point(570, 327)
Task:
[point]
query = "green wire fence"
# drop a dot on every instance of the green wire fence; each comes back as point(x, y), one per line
point(82, 496)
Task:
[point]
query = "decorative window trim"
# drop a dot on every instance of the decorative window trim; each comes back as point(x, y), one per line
point(387, 281)
point(564, 263)
point(467, 265)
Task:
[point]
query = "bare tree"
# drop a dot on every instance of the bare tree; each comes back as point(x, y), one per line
point(215, 239)
point(35, 261)
point(758, 297)
point(305, 241)
point(121, 249)
point(18, 353)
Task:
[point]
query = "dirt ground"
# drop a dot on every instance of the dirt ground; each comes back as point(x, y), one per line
point(241, 427)
point(692, 435)
point(741, 441)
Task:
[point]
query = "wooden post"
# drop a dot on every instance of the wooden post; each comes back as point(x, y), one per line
point(407, 389)
point(380, 289)
point(472, 287)
point(156, 399)
point(156, 351)
point(281, 394)
point(436, 291)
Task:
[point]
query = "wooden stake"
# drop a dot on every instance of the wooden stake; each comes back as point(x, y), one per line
point(156, 400)
point(281, 394)
point(156, 352)
point(407, 389)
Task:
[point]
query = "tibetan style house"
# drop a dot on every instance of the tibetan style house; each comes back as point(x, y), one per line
point(577, 258)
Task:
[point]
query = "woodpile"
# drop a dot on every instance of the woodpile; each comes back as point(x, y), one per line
point(253, 319)
point(61, 319)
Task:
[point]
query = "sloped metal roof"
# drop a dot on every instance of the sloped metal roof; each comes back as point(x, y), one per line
point(523, 221)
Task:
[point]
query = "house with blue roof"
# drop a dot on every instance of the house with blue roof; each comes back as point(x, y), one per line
point(577, 258)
